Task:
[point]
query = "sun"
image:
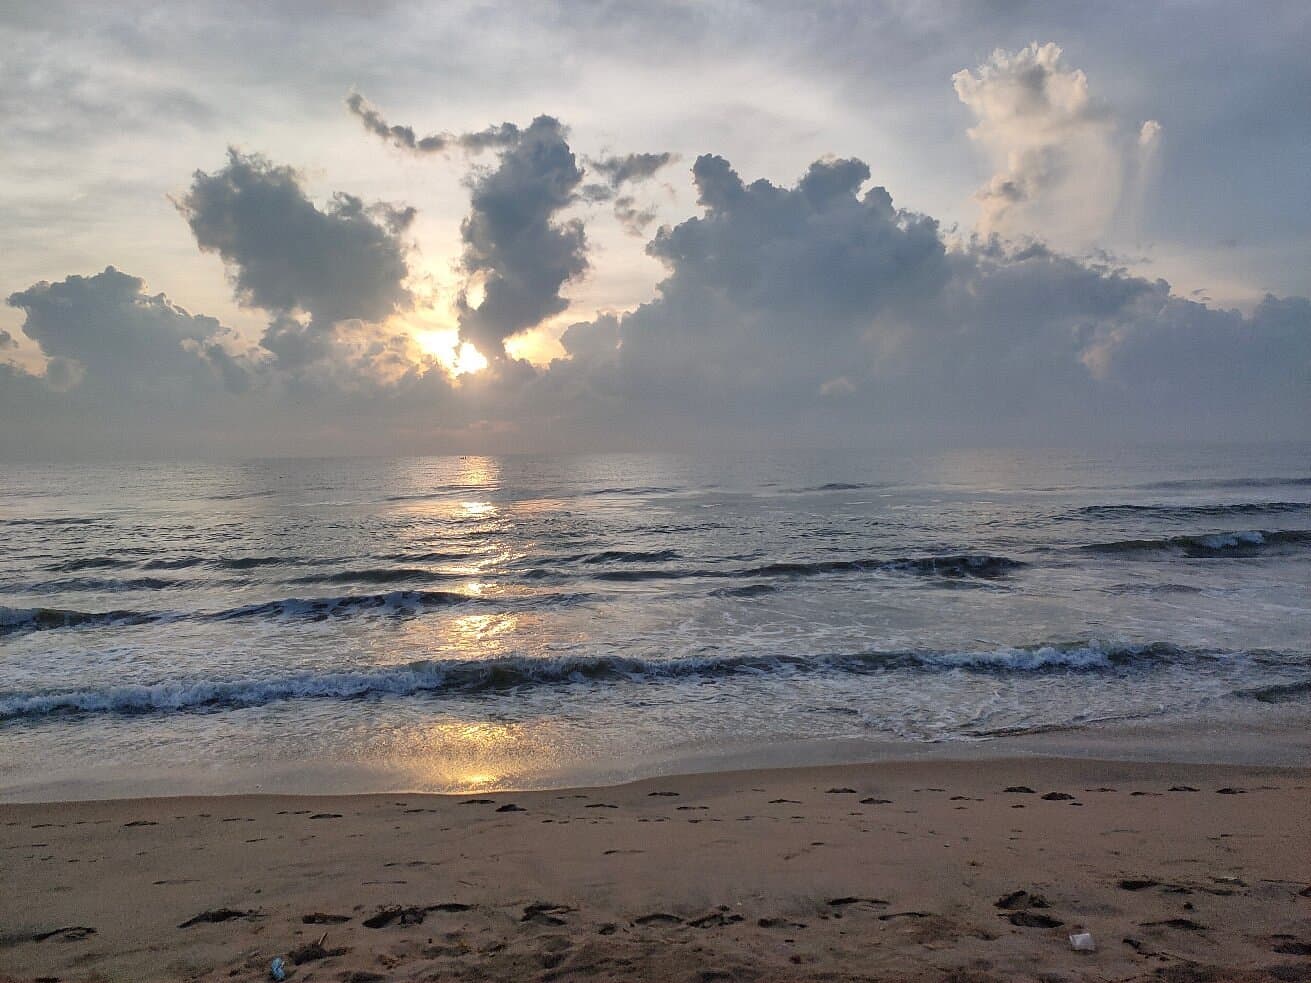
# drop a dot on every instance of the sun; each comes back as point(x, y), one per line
point(456, 356)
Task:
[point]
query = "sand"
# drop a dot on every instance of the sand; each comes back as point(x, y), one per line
point(891, 871)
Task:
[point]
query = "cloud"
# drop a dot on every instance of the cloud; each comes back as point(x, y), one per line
point(288, 256)
point(7, 340)
point(105, 331)
point(517, 253)
point(1060, 155)
point(503, 135)
point(616, 171)
point(634, 218)
point(634, 168)
point(811, 312)
point(514, 243)
point(820, 309)
point(125, 370)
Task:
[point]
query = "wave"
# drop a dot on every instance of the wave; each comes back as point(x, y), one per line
point(956, 566)
point(18, 620)
point(380, 575)
point(402, 603)
point(1279, 692)
point(91, 563)
point(441, 491)
point(1191, 511)
point(104, 584)
point(430, 557)
point(486, 675)
point(634, 490)
point(748, 590)
point(240, 496)
point(1289, 481)
point(66, 520)
point(833, 486)
point(1254, 542)
point(173, 563)
point(629, 556)
point(251, 562)
point(399, 602)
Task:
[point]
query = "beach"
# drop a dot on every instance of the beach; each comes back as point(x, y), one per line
point(924, 870)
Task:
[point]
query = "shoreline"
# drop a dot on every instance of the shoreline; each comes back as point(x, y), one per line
point(1275, 735)
point(882, 870)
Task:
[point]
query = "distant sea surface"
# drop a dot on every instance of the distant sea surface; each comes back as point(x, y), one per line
point(482, 622)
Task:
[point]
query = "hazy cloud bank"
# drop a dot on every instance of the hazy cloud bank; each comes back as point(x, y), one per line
point(812, 311)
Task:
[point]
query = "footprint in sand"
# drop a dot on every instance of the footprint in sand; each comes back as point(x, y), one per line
point(545, 913)
point(1020, 899)
point(658, 918)
point(1027, 919)
point(716, 919)
point(1184, 924)
point(68, 933)
point(846, 902)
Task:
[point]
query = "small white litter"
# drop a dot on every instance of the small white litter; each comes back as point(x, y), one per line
point(277, 970)
point(1082, 942)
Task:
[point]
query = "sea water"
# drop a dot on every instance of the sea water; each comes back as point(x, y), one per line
point(479, 622)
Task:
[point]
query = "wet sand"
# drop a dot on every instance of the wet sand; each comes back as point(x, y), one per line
point(929, 870)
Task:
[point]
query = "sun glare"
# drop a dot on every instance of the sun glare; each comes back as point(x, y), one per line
point(458, 357)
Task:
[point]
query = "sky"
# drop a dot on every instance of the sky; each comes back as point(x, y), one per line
point(247, 229)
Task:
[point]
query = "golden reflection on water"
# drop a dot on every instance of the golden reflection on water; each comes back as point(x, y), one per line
point(471, 636)
point(482, 634)
point(476, 754)
point(479, 471)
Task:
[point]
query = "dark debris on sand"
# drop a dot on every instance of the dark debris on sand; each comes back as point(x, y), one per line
point(215, 915)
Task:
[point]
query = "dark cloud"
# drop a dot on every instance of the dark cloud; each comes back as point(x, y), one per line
point(634, 218)
point(493, 137)
point(7, 340)
point(108, 327)
point(515, 248)
point(119, 361)
point(286, 255)
point(514, 241)
point(618, 171)
point(630, 167)
point(817, 308)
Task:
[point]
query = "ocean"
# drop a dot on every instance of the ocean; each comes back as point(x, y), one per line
point(477, 622)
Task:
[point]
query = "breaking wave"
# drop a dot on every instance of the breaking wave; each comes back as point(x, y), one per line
point(374, 575)
point(1280, 692)
point(400, 603)
point(476, 676)
point(1192, 511)
point(1253, 542)
point(952, 566)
